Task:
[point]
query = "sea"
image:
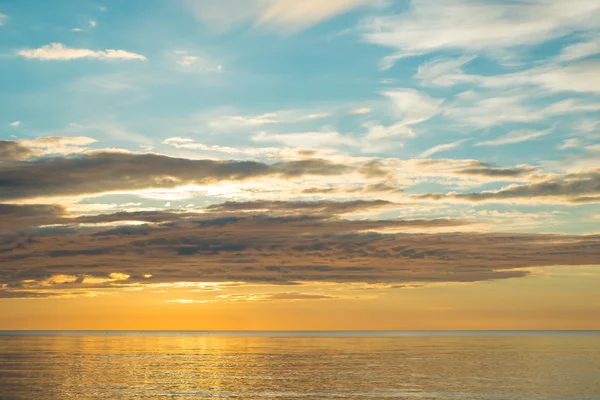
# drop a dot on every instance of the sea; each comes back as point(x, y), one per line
point(499, 365)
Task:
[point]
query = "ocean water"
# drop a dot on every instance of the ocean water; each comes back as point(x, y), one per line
point(299, 365)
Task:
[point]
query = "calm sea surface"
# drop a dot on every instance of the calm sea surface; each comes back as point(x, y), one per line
point(292, 365)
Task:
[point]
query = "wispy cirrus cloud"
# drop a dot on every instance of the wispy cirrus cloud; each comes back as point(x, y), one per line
point(440, 148)
point(60, 52)
point(514, 137)
point(278, 15)
point(576, 77)
point(428, 26)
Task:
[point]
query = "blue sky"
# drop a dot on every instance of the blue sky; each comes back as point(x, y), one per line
point(509, 88)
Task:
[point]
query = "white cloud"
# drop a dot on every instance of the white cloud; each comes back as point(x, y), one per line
point(228, 122)
point(378, 131)
point(76, 30)
point(2, 18)
point(284, 15)
point(186, 301)
point(186, 61)
point(569, 144)
point(362, 110)
point(593, 148)
point(582, 77)
point(189, 144)
point(58, 51)
point(440, 148)
point(59, 145)
point(442, 71)
point(307, 139)
point(413, 106)
point(477, 25)
point(376, 138)
point(56, 145)
point(93, 24)
point(15, 123)
point(57, 142)
point(484, 109)
point(240, 120)
point(107, 129)
point(317, 116)
point(577, 51)
point(519, 136)
point(194, 62)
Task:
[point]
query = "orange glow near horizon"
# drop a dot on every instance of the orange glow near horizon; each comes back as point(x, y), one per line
point(551, 298)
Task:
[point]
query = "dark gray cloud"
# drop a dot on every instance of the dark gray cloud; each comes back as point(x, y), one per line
point(321, 207)
point(491, 171)
point(575, 188)
point(14, 151)
point(274, 249)
point(108, 171)
point(15, 216)
point(374, 169)
point(381, 187)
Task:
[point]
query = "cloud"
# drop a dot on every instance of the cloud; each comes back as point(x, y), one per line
point(183, 143)
point(413, 106)
point(317, 116)
point(583, 187)
point(579, 50)
point(359, 111)
point(281, 15)
point(440, 148)
point(93, 24)
point(281, 296)
point(245, 297)
point(519, 136)
point(244, 121)
point(186, 61)
point(580, 77)
point(58, 144)
point(363, 189)
point(28, 148)
point(320, 207)
point(16, 216)
point(3, 17)
point(15, 123)
point(570, 144)
point(101, 171)
point(429, 26)
point(442, 71)
point(303, 139)
point(271, 248)
point(483, 169)
point(12, 150)
point(58, 51)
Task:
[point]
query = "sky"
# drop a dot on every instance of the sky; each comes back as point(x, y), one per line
point(300, 164)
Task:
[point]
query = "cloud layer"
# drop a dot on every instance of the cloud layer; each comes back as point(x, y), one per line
point(60, 52)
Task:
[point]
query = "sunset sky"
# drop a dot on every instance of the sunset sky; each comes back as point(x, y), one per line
point(288, 164)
